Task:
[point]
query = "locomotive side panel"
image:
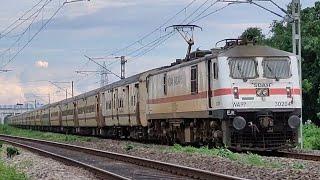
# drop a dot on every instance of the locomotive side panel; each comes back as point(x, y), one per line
point(179, 93)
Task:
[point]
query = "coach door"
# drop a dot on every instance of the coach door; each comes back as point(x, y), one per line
point(209, 70)
point(212, 82)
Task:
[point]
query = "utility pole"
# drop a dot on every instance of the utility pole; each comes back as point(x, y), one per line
point(123, 62)
point(296, 49)
point(72, 88)
point(123, 66)
point(5, 70)
point(103, 75)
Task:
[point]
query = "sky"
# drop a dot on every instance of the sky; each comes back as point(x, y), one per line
point(99, 28)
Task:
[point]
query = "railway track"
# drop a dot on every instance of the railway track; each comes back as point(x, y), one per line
point(110, 165)
point(295, 155)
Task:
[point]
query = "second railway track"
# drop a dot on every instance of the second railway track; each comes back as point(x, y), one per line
point(298, 155)
point(110, 165)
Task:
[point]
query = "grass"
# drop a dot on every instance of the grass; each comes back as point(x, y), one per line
point(248, 158)
point(9, 130)
point(10, 173)
point(311, 136)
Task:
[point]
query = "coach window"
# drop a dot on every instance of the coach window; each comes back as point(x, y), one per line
point(215, 71)
point(165, 84)
point(194, 79)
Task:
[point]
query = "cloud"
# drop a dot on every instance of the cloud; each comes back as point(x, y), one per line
point(41, 64)
point(10, 91)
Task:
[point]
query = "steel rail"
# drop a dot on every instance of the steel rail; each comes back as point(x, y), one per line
point(295, 155)
point(101, 173)
point(158, 165)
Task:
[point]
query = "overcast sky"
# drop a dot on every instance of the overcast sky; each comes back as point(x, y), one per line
point(98, 28)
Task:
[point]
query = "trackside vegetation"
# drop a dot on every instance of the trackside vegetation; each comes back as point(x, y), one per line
point(311, 136)
point(9, 130)
point(9, 172)
point(247, 158)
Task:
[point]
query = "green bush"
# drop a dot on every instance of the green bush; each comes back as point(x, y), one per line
point(12, 151)
point(311, 136)
point(128, 147)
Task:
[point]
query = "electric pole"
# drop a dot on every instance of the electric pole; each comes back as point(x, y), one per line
point(72, 88)
point(103, 75)
point(123, 62)
point(5, 70)
point(296, 49)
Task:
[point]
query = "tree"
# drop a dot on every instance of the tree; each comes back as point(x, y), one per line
point(253, 33)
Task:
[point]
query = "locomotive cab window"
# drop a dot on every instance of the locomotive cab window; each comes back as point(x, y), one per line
point(276, 68)
point(194, 79)
point(243, 68)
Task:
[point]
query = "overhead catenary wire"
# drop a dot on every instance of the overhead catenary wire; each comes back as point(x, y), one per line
point(155, 30)
point(26, 29)
point(150, 33)
point(146, 48)
point(21, 18)
point(215, 11)
point(29, 41)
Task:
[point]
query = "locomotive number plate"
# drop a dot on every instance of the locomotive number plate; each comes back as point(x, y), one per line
point(282, 103)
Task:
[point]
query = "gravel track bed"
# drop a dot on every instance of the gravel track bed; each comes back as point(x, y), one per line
point(118, 167)
point(287, 168)
point(42, 168)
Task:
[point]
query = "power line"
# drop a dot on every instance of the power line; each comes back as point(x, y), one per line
point(155, 30)
point(23, 33)
point(29, 41)
point(40, 29)
point(19, 19)
point(215, 11)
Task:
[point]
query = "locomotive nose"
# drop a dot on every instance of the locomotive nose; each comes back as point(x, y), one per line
point(294, 121)
point(239, 122)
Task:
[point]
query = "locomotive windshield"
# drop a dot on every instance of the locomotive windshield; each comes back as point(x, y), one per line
point(243, 68)
point(276, 68)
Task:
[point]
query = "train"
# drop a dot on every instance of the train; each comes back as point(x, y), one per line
point(242, 96)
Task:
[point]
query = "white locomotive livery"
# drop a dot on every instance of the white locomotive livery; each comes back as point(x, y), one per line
point(244, 96)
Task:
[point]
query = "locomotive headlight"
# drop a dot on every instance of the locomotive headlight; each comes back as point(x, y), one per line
point(236, 92)
point(262, 92)
point(294, 121)
point(289, 94)
point(239, 123)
